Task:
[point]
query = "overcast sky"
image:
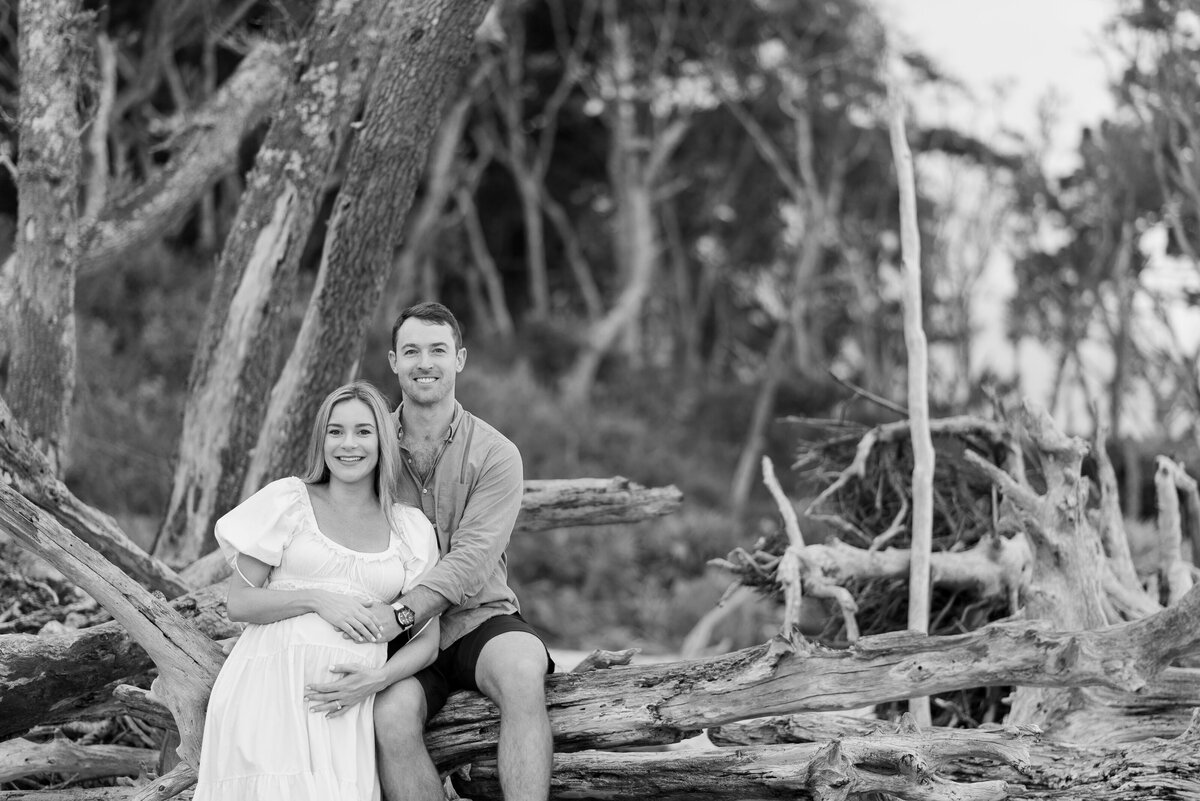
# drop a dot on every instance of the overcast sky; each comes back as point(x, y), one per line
point(1031, 46)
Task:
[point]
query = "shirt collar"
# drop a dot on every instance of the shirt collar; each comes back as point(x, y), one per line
point(455, 421)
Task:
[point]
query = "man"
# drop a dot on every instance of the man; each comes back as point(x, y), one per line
point(467, 478)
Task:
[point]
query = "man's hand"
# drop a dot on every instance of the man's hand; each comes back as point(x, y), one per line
point(385, 618)
point(356, 684)
point(351, 616)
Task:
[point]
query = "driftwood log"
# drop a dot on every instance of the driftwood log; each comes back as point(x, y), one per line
point(665, 703)
point(49, 679)
point(638, 706)
point(1155, 767)
point(20, 758)
point(27, 470)
point(186, 659)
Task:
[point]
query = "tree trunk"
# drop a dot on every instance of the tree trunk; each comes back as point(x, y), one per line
point(1160, 768)
point(427, 219)
point(29, 472)
point(187, 661)
point(53, 678)
point(495, 307)
point(235, 360)
point(918, 390)
point(902, 765)
point(637, 706)
point(760, 421)
point(406, 100)
point(202, 155)
point(41, 319)
point(1068, 566)
point(634, 174)
point(21, 758)
point(655, 704)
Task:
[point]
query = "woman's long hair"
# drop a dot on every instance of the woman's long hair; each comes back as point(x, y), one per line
point(387, 471)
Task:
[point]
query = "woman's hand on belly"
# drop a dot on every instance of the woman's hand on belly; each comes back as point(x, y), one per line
point(357, 684)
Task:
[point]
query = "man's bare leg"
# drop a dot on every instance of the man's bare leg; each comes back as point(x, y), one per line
point(512, 672)
point(406, 773)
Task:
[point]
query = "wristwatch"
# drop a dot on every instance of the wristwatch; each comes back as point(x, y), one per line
point(405, 617)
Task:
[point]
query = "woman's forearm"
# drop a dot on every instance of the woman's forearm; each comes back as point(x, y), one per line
point(259, 605)
point(415, 655)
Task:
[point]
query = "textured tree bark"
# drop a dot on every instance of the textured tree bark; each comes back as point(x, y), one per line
point(40, 320)
point(637, 706)
point(427, 219)
point(203, 153)
point(1158, 768)
point(234, 366)
point(564, 503)
point(49, 679)
point(187, 661)
point(902, 765)
point(933, 764)
point(28, 471)
point(1066, 583)
point(990, 568)
point(20, 758)
point(429, 44)
point(665, 703)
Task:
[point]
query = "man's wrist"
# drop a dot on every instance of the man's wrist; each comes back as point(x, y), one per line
point(405, 617)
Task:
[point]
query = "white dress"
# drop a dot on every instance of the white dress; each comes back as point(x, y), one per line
point(260, 739)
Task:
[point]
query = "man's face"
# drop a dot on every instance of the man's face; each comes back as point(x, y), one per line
point(425, 361)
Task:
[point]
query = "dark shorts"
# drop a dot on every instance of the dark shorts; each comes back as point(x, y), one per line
point(455, 666)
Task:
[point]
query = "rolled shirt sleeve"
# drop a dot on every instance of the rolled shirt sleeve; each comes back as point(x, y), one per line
point(476, 552)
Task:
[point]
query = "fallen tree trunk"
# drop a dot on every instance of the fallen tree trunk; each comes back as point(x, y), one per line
point(903, 765)
point(656, 704)
point(991, 567)
point(21, 758)
point(839, 755)
point(28, 471)
point(45, 679)
point(203, 152)
point(546, 504)
point(565, 503)
point(869, 756)
point(1150, 768)
point(187, 661)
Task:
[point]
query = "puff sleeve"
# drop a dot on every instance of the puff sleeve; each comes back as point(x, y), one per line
point(262, 525)
point(420, 544)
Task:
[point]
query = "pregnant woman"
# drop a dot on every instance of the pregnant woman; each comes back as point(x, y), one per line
point(309, 555)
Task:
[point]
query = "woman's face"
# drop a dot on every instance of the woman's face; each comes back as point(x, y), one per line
point(351, 442)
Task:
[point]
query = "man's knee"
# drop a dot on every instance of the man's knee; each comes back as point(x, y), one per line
point(512, 668)
point(400, 712)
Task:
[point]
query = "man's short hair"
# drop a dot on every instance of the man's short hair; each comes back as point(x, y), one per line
point(433, 313)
